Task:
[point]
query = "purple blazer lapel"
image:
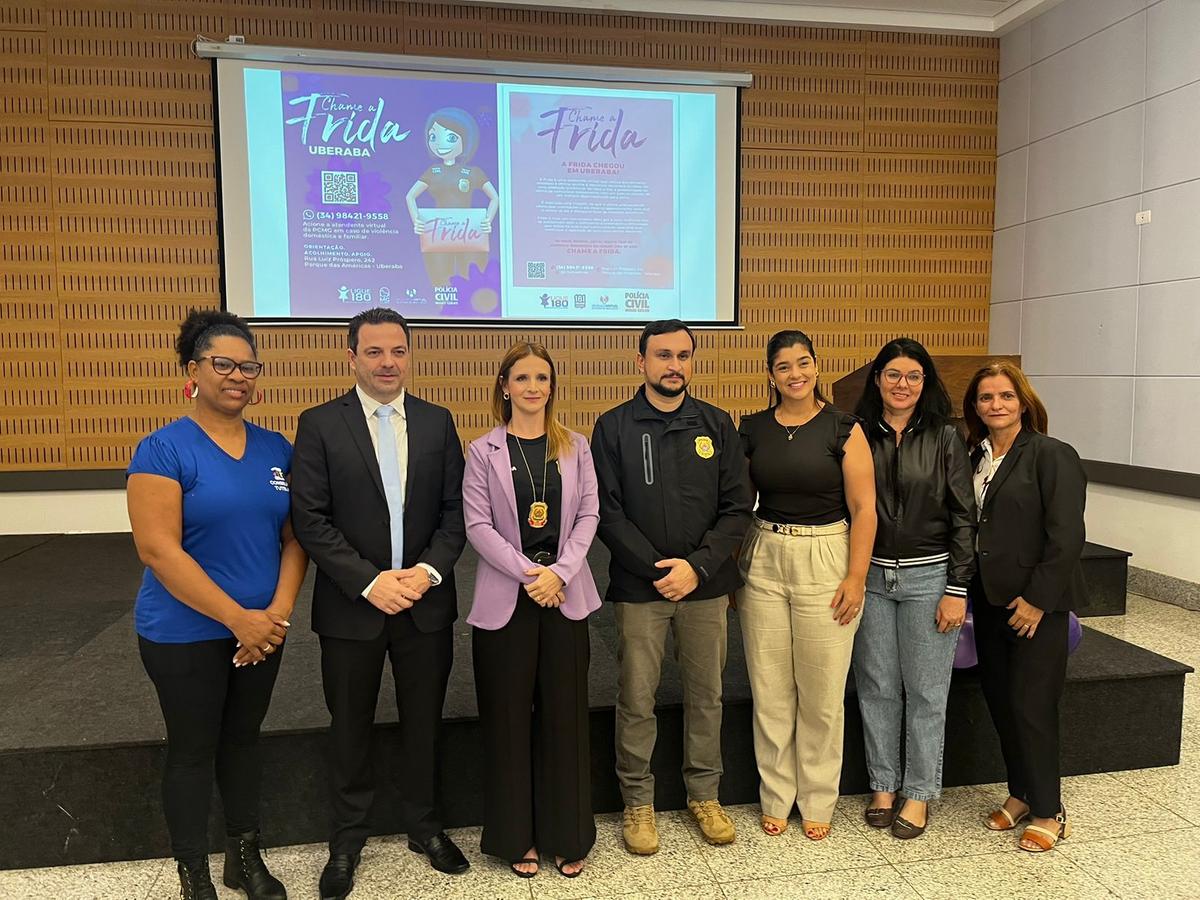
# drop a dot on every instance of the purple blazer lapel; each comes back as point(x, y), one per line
point(504, 506)
point(568, 470)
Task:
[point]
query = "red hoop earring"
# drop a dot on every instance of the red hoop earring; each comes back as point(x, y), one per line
point(191, 390)
point(257, 399)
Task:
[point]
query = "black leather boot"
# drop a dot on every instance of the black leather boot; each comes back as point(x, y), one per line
point(246, 871)
point(194, 881)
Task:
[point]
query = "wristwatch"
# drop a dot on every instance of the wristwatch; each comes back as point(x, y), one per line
point(434, 578)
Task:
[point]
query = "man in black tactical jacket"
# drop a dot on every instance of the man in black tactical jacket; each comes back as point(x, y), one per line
point(675, 502)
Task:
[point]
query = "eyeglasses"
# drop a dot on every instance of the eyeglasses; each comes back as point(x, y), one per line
point(891, 376)
point(223, 365)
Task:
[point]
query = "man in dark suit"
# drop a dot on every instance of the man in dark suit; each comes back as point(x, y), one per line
point(377, 503)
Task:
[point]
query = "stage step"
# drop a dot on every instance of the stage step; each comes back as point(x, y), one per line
point(1122, 709)
point(1106, 573)
point(81, 748)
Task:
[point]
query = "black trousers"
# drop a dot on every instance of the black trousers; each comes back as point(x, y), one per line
point(531, 682)
point(213, 713)
point(350, 673)
point(1023, 680)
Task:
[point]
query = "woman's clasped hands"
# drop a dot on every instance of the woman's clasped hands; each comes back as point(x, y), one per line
point(547, 588)
point(259, 632)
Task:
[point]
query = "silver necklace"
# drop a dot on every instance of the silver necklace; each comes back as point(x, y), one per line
point(792, 429)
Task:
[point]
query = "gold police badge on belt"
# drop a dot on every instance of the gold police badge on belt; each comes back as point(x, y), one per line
point(704, 447)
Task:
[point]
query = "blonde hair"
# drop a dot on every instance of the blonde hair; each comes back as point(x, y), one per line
point(1033, 416)
point(558, 439)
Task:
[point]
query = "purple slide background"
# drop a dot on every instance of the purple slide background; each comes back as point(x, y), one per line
point(384, 178)
point(536, 155)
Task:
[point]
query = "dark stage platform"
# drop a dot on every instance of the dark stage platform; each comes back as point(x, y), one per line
point(81, 741)
point(1106, 574)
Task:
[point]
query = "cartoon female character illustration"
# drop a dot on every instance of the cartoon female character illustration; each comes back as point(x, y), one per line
point(452, 136)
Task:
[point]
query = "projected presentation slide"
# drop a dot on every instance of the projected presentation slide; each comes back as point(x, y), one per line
point(451, 198)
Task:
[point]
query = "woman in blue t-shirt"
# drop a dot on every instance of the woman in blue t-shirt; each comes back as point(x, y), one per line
point(208, 501)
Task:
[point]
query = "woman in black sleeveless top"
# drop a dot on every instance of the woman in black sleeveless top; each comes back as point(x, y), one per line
point(805, 566)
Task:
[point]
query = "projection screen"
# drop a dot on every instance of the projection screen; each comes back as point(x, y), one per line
point(504, 194)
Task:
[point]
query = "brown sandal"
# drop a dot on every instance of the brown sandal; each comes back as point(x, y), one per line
point(1043, 839)
point(1003, 820)
point(773, 826)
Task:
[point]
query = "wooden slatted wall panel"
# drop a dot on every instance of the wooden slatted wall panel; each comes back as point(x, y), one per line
point(868, 169)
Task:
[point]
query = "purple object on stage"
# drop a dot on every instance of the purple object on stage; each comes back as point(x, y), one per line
point(965, 656)
point(1074, 633)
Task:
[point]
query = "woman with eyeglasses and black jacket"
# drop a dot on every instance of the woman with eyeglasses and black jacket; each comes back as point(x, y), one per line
point(921, 565)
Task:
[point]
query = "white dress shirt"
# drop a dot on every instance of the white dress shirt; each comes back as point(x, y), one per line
point(984, 473)
point(400, 427)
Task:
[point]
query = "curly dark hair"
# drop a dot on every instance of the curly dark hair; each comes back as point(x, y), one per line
point(201, 326)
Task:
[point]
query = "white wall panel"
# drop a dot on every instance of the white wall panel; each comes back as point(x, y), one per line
point(1008, 260)
point(1166, 427)
point(1171, 242)
point(1071, 22)
point(1108, 316)
point(1159, 530)
point(1010, 187)
point(1004, 327)
point(1092, 414)
point(1168, 329)
point(1172, 45)
point(1172, 137)
point(1085, 250)
point(1015, 51)
point(1097, 76)
point(1100, 160)
point(1012, 114)
point(1080, 334)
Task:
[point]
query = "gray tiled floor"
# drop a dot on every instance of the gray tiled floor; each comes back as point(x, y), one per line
point(1136, 834)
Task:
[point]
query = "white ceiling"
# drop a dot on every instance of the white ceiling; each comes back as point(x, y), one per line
point(986, 17)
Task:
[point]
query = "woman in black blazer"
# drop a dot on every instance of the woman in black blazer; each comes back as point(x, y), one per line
point(1030, 490)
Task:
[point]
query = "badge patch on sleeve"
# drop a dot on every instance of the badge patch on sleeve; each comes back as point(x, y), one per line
point(704, 447)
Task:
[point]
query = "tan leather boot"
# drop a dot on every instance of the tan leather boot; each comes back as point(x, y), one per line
point(715, 825)
point(640, 832)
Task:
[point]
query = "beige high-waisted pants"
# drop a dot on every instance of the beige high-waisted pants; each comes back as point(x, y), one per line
point(797, 656)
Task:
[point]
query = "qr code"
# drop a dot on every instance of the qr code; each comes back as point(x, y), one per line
point(535, 270)
point(339, 187)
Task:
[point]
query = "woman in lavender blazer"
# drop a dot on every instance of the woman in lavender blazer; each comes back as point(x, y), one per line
point(531, 508)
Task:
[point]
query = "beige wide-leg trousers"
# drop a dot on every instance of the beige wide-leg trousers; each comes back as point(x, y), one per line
point(797, 656)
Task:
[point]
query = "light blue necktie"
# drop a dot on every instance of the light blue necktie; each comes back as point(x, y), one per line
point(393, 487)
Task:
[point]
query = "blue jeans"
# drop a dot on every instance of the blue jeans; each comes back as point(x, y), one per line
point(902, 669)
